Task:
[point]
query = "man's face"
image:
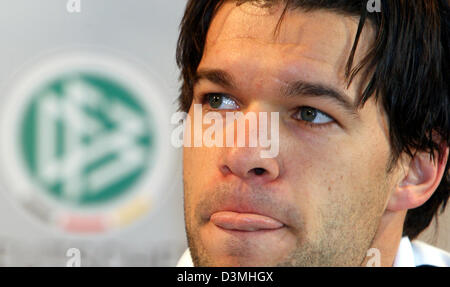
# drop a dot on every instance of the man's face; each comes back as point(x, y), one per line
point(320, 200)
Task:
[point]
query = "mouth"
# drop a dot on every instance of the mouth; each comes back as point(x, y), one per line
point(244, 221)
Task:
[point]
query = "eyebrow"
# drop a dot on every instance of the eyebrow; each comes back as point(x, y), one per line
point(292, 89)
point(306, 89)
point(218, 77)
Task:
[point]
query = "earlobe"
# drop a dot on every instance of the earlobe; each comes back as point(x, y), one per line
point(420, 180)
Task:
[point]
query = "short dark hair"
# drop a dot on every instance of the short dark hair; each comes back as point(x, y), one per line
point(410, 60)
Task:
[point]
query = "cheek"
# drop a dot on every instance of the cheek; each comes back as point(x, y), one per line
point(200, 174)
point(194, 173)
point(199, 165)
point(334, 171)
point(197, 161)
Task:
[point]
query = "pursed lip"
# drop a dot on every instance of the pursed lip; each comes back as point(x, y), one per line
point(244, 216)
point(251, 207)
point(244, 221)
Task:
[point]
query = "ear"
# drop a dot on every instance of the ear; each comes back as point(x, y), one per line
point(421, 177)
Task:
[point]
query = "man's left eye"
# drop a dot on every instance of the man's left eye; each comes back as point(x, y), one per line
point(312, 115)
point(221, 102)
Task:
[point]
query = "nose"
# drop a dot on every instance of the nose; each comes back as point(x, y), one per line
point(247, 164)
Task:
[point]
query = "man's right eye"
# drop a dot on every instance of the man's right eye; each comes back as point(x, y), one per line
point(219, 101)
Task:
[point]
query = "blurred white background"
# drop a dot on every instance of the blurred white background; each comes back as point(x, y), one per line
point(144, 31)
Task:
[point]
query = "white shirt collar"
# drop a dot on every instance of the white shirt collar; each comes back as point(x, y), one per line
point(185, 260)
point(405, 254)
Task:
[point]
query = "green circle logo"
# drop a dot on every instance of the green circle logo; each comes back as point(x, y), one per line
point(86, 142)
point(86, 139)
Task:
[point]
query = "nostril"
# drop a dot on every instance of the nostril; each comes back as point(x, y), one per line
point(259, 171)
point(225, 170)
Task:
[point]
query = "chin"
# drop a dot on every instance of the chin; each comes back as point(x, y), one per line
point(239, 257)
point(228, 261)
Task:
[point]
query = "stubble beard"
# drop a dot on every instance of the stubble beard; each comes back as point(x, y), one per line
point(347, 228)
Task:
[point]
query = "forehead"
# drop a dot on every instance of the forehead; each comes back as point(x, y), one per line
point(305, 40)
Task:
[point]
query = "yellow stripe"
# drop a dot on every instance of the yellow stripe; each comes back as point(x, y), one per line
point(132, 211)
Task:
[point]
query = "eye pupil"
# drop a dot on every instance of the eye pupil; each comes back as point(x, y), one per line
point(215, 101)
point(308, 114)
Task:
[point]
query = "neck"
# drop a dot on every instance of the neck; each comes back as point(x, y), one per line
point(387, 238)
